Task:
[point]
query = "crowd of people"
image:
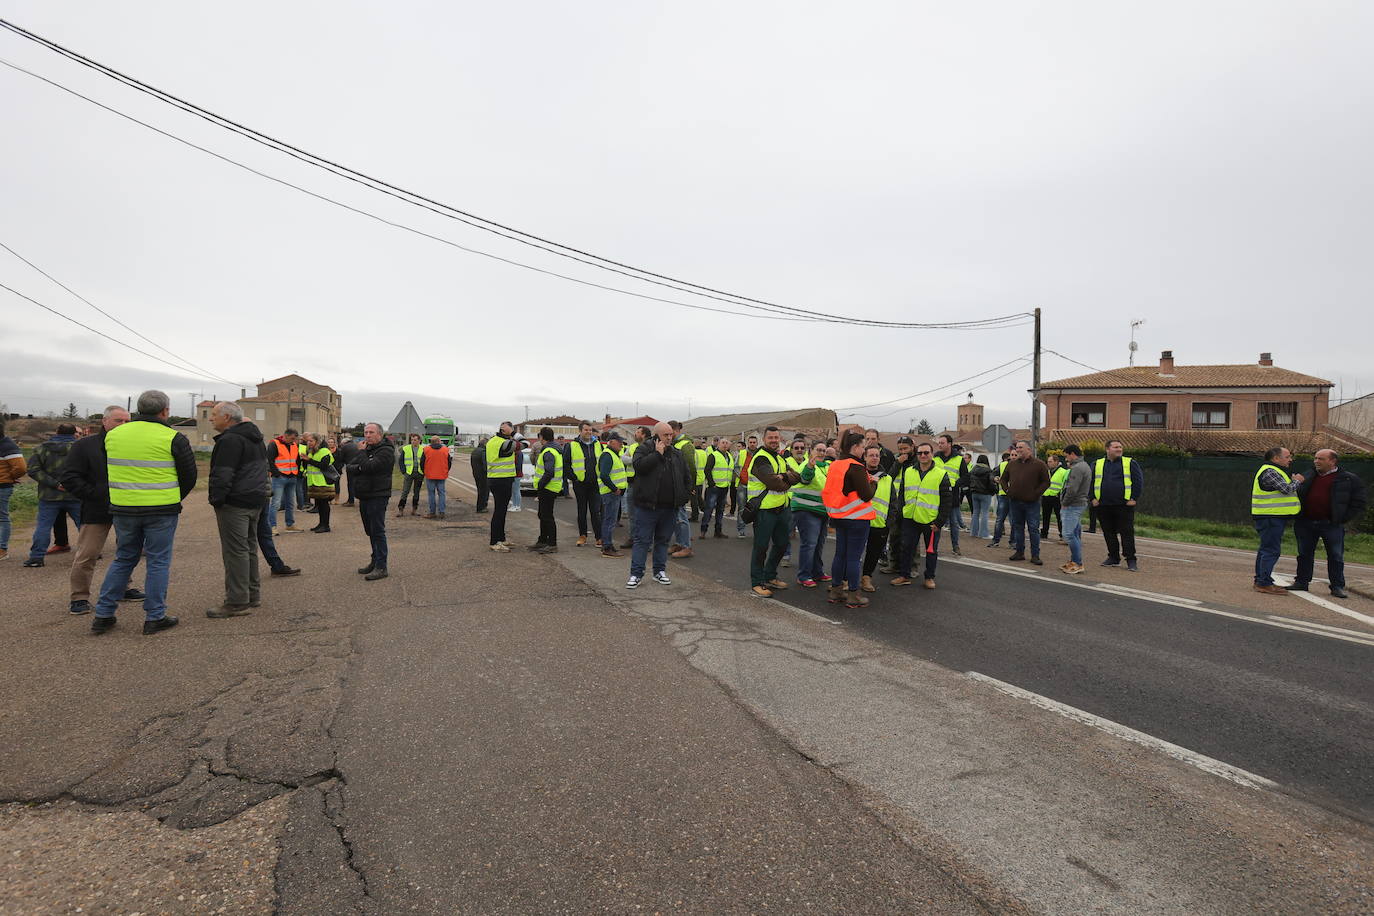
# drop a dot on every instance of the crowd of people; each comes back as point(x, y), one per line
point(885, 511)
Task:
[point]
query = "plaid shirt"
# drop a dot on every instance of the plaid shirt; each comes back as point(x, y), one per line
point(1270, 479)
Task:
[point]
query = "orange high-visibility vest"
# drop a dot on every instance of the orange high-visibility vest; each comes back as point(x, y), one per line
point(287, 457)
point(436, 463)
point(836, 502)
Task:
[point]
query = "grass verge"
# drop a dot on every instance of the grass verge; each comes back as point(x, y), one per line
point(1359, 548)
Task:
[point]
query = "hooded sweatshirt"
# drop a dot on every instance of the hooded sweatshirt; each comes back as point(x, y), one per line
point(238, 468)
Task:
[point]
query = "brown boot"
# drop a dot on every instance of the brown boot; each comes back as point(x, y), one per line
point(866, 584)
point(835, 594)
point(854, 599)
point(930, 583)
point(1271, 590)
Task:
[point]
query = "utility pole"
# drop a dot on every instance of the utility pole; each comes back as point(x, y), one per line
point(1134, 324)
point(1035, 387)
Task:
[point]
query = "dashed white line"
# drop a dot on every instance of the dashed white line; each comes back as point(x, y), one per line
point(1193, 758)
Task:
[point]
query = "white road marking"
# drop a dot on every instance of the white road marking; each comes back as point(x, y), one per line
point(1141, 593)
point(1193, 758)
point(1322, 602)
point(1155, 556)
point(1322, 626)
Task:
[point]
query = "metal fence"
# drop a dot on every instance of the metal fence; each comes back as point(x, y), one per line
point(1218, 489)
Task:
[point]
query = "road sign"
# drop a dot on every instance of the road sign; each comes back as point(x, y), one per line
point(997, 439)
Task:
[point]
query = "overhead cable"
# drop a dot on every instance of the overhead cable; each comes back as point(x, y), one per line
point(1014, 369)
point(933, 390)
point(492, 226)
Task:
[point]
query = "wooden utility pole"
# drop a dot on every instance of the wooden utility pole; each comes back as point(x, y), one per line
point(1035, 387)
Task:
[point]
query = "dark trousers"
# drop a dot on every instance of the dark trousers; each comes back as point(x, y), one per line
point(1092, 518)
point(349, 475)
point(60, 537)
point(1049, 506)
point(588, 496)
point(408, 485)
point(1000, 523)
point(734, 506)
point(500, 502)
point(265, 542)
point(548, 529)
point(715, 505)
point(696, 503)
point(483, 491)
point(772, 529)
point(914, 536)
point(1332, 536)
point(1118, 522)
point(373, 513)
point(236, 531)
point(877, 540)
point(322, 510)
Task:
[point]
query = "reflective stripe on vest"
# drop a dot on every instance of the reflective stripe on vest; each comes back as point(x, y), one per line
point(1125, 476)
point(138, 459)
point(497, 465)
point(807, 496)
point(882, 499)
point(629, 454)
point(774, 499)
point(722, 470)
point(410, 459)
point(1271, 502)
point(577, 458)
point(1057, 482)
point(837, 503)
point(921, 494)
point(555, 484)
point(314, 477)
point(951, 466)
point(618, 475)
point(288, 463)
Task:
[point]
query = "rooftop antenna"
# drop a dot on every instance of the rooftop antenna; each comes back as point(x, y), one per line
point(1135, 346)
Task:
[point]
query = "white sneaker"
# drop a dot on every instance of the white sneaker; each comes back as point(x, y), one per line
point(632, 582)
point(662, 578)
point(500, 548)
point(515, 508)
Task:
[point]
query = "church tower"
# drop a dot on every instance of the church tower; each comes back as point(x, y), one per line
point(970, 420)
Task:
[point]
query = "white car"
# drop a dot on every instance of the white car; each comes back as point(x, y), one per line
point(527, 467)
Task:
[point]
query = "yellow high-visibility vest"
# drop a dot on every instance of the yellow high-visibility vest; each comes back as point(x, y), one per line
point(138, 459)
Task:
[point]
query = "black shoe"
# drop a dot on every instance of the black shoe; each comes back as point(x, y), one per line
point(311, 511)
point(33, 564)
point(479, 511)
point(318, 530)
point(287, 571)
point(549, 548)
point(228, 610)
point(79, 607)
point(1037, 561)
point(102, 625)
point(537, 545)
point(133, 594)
point(1338, 591)
point(1017, 556)
point(1130, 565)
point(157, 626)
point(378, 573)
point(1297, 587)
point(993, 544)
point(1110, 562)
point(362, 571)
point(719, 533)
point(349, 503)
point(1092, 531)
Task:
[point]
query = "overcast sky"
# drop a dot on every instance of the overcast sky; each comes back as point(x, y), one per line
point(1204, 167)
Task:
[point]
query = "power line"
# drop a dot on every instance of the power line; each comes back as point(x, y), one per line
point(1026, 361)
point(205, 373)
point(388, 222)
point(487, 225)
point(113, 340)
point(933, 390)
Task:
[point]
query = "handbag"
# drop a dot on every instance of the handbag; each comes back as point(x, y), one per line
point(750, 512)
point(325, 493)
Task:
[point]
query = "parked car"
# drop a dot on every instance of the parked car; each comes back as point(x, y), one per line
point(527, 466)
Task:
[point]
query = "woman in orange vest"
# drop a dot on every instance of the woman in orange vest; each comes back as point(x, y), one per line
point(847, 496)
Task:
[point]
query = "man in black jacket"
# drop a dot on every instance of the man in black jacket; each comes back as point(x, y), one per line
point(371, 479)
point(663, 484)
point(478, 463)
point(1331, 499)
point(86, 477)
point(238, 486)
point(348, 451)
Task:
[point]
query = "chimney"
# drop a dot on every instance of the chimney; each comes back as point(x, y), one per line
point(243, 392)
point(1166, 362)
point(1266, 359)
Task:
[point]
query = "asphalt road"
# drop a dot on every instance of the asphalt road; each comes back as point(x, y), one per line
point(1295, 708)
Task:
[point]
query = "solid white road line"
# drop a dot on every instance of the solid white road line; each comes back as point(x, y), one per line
point(1322, 602)
point(1321, 626)
point(1193, 758)
point(1155, 556)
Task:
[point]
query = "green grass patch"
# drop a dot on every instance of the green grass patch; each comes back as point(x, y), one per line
point(1359, 548)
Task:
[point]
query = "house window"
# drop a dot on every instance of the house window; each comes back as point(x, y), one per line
point(259, 414)
point(1088, 414)
point(1148, 416)
point(1211, 416)
point(1277, 415)
point(205, 414)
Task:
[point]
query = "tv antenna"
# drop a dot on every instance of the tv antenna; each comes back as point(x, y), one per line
point(1135, 346)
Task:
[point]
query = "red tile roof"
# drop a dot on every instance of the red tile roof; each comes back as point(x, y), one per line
point(1243, 376)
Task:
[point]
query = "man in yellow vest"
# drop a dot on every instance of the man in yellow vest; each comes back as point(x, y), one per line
point(1049, 503)
point(612, 478)
point(500, 452)
point(548, 483)
point(151, 469)
point(579, 463)
point(954, 463)
point(719, 473)
point(1117, 485)
point(882, 505)
point(409, 461)
point(770, 479)
point(682, 535)
point(1273, 501)
point(926, 495)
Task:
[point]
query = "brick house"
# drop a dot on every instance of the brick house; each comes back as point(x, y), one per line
point(1219, 409)
point(291, 400)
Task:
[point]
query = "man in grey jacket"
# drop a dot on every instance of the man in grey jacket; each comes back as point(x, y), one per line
point(1073, 502)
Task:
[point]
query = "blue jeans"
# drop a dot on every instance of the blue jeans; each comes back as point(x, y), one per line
point(1003, 507)
point(436, 492)
point(1025, 516)
point(741, 497)
point(47, 514)
point(1270, 530)
point(514, 495)
point(148, 536)
point(629, 504)
point(301, 502)
point(682, 533)
point(811, 528)
point(1071, 526)
point(1332, 537)
point(5, 525)
point(981, 503)
point(372, 513)
point(283, 497)
point(956, 521)
point(610, 514)
point(716, 498)
point(653, 530)
point(851, 537)
point(265, 544)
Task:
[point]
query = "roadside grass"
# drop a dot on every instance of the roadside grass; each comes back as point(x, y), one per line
point(24, 501)
point(1359, 548)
